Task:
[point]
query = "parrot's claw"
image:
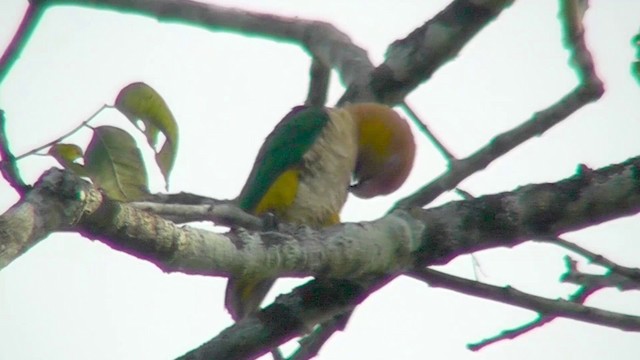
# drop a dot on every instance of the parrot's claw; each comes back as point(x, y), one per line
point(269, 221)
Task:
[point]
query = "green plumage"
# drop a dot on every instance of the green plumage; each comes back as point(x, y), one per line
point(282, 149)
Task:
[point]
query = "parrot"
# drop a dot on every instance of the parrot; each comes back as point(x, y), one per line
point(306, 167)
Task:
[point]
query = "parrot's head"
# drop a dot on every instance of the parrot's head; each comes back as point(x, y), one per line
point(386, 150)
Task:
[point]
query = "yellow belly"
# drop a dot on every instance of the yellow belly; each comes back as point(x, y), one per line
point(315, 192)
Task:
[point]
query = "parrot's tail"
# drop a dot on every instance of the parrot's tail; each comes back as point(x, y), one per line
point(244, 295)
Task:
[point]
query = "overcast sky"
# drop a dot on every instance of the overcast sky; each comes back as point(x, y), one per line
point(70, 298)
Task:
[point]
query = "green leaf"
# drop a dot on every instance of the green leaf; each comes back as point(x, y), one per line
point(114, 163)
point(66, 155)
point(140, 102)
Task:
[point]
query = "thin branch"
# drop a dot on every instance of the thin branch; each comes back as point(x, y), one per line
point(464, 194)
point(627, 272)
point(326, 43)
point(67, 134)
point(8, 166)
point(511, 334)
point(311, 344)
point(223, 214)
point(388, 83)
point(589, 89)
point(319, 77)
point(610, 279)
point(20, 38)
point(500, 145)
point(511, 296)
point(427, 132)
point(578, 297)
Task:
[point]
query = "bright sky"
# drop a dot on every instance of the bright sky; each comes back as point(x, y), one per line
point(69, 298)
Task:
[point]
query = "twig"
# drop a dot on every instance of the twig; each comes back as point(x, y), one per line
point(223, 214)
point(8, 166)
point(630, 273)
point(511, 296)
point(578, 297)
point(319, 77)
point(588, 90)
point(609, 279)
point(464, 194)
point(427, 132)
point(511, 334)
point(19, 40)
point(311, 344)
point(69, 133)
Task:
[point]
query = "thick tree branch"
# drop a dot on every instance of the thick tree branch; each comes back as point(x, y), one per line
point(51, 206)
point(357, 252)
point(421, 237)
point(342, 252)
point(62, 202)
point(414, 59)
point(536, 210)
point(292, 315)
point(431, 236)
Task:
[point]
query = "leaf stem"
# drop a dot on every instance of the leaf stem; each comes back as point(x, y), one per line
point(73, 131)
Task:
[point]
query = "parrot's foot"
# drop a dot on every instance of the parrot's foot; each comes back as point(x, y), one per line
point(269, 221)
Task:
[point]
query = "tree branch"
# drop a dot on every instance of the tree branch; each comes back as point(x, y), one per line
point(578, 297)
point(319, 76)
point(20, 38)
point(223, 214)
point(326, 43)
point(589, 89)
point(426, 236)
point(632, 274)
point(8, 166)
point(388, 83)
point(61, 201)
point(414, 59)
point(511, 296)
point(611, 279)
point(291, 315)
point(422, 126)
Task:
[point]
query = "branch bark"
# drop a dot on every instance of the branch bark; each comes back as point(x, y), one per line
point(401, 240)
point(409, 62)
point(61, 201)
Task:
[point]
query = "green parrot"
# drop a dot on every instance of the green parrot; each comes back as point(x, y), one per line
point(307, 166)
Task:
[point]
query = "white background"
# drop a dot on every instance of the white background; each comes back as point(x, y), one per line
point(70, 298)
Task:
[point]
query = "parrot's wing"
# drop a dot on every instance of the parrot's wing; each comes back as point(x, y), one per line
point(283, 149)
